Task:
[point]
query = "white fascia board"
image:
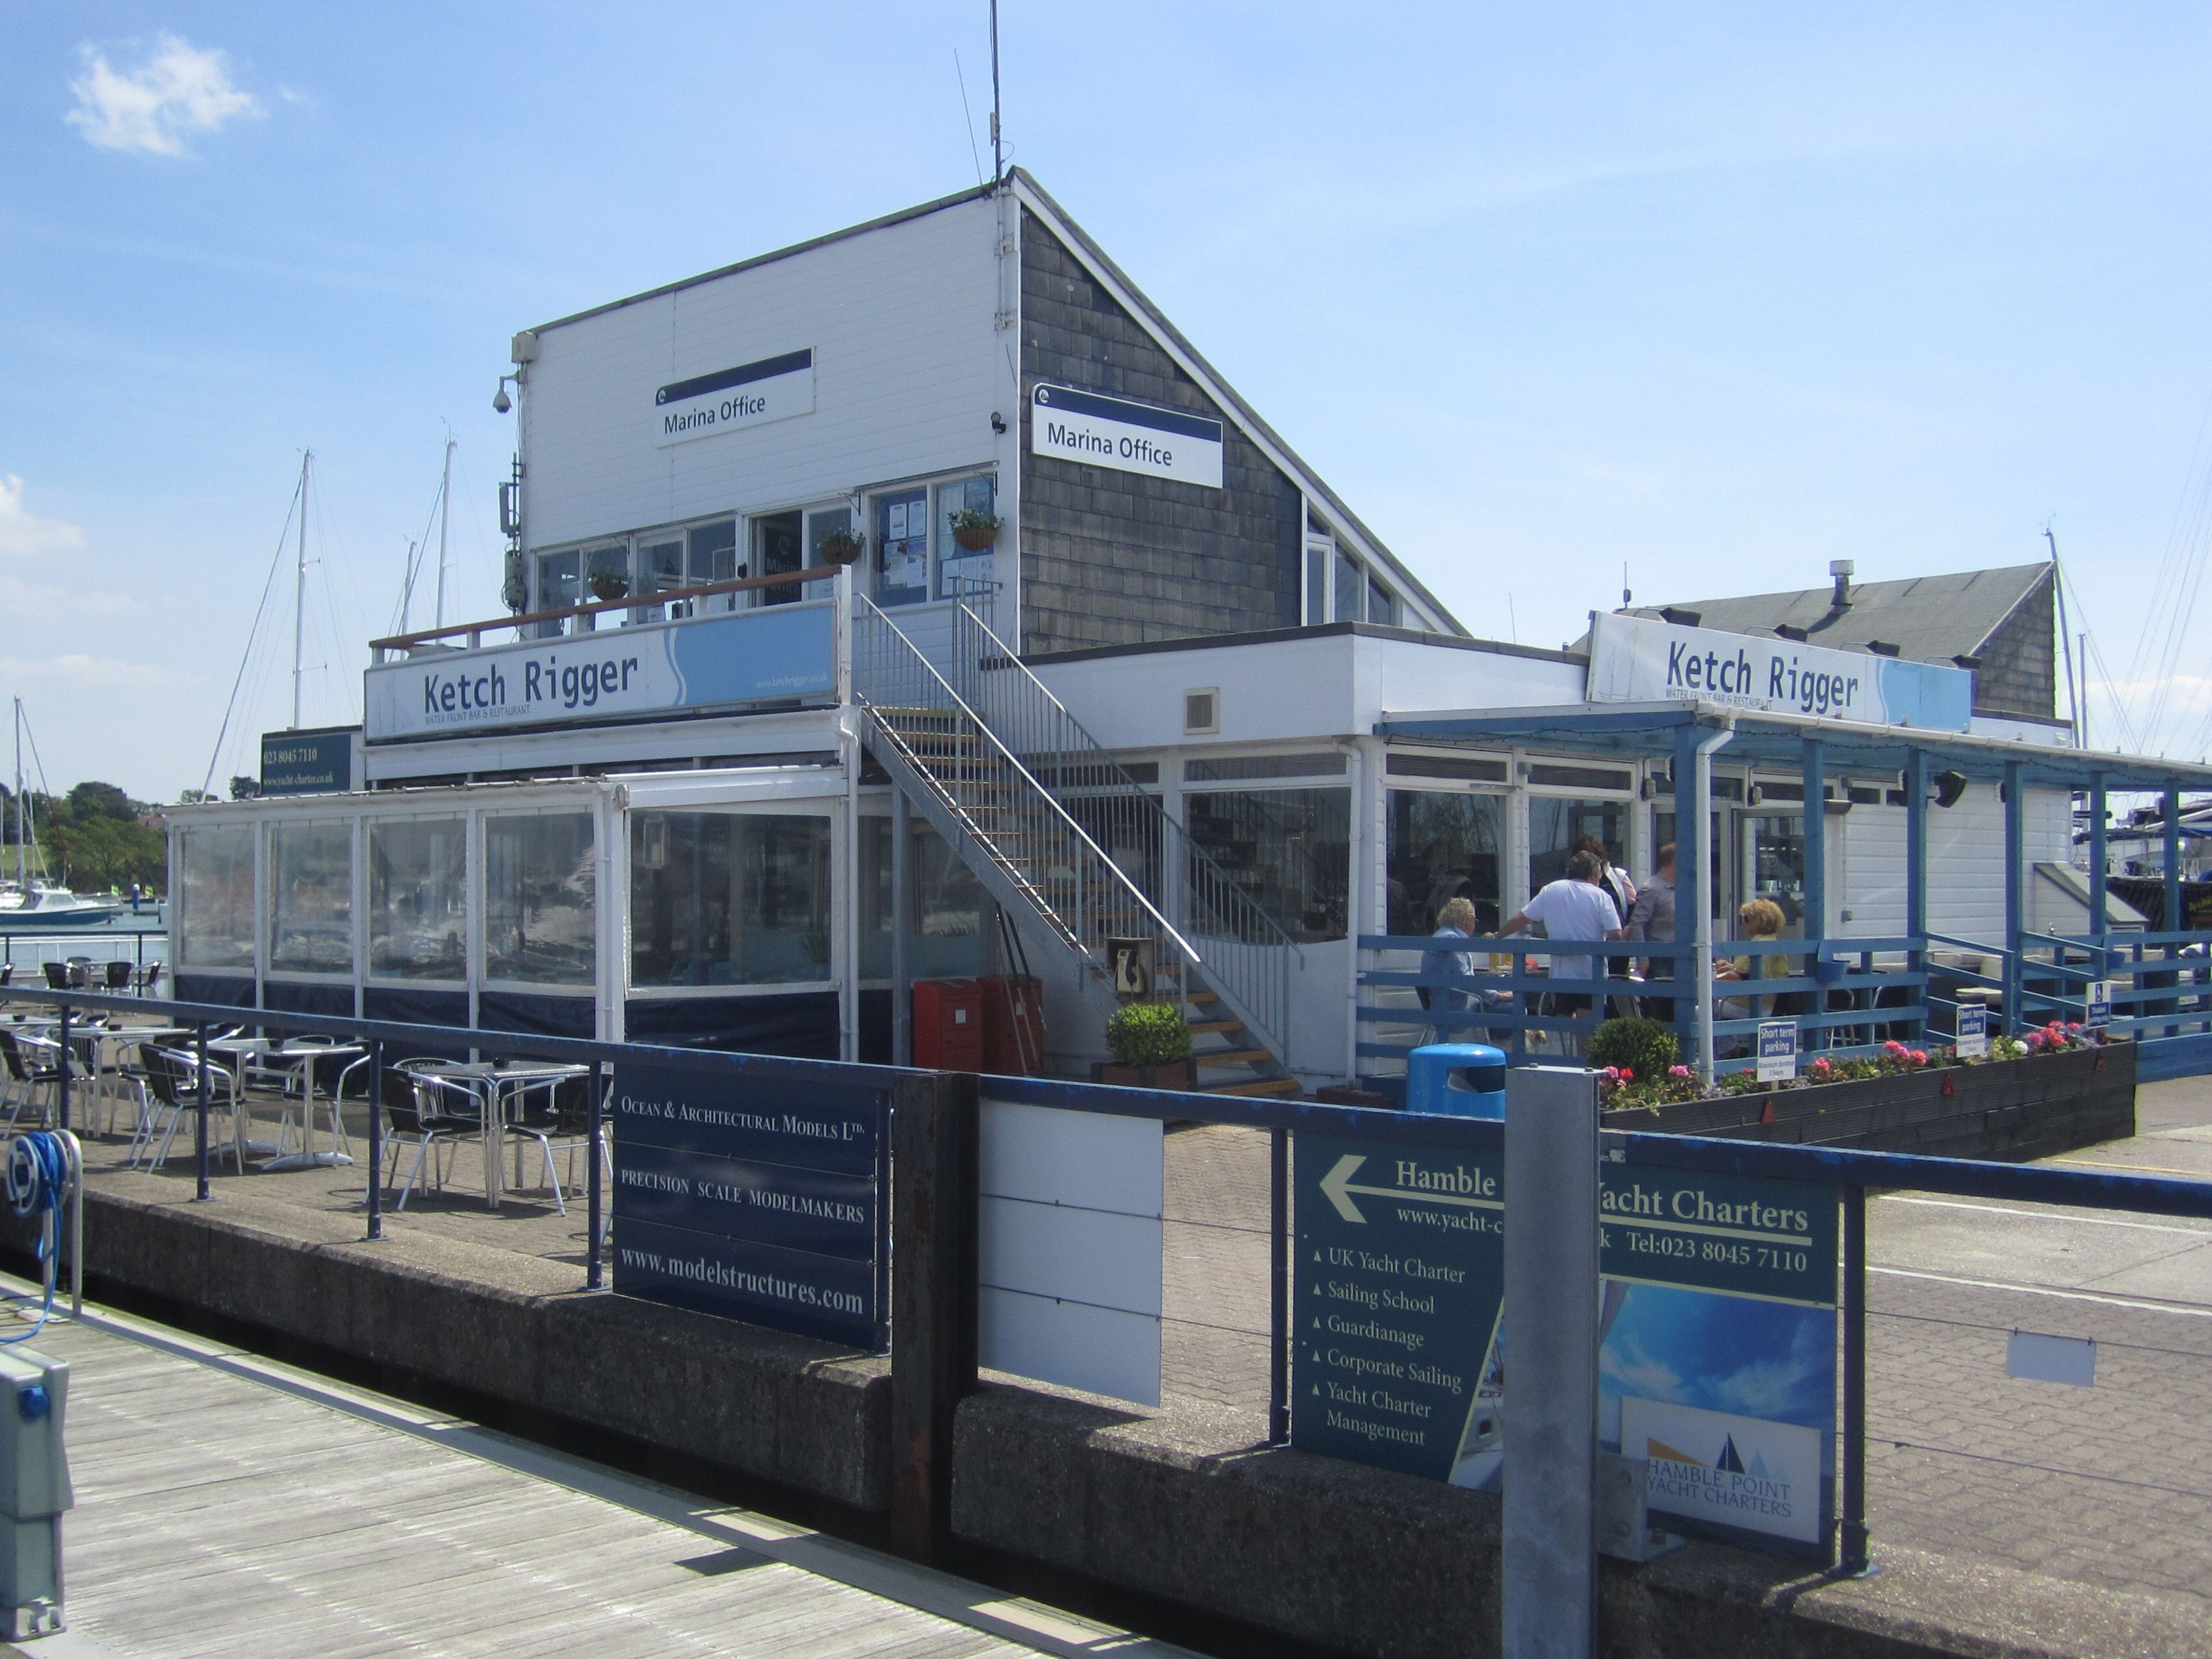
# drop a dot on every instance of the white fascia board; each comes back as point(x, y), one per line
point(662, 791)
point(1411, 588)
point(1272, 691)
point(798, 730)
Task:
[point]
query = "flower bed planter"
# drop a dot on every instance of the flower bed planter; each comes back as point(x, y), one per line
point(2011, 1109)
point(1176, 1074)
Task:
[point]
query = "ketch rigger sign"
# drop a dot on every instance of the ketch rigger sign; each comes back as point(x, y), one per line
point(1128, 436)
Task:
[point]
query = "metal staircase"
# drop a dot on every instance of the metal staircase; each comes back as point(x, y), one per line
point(1054, 826)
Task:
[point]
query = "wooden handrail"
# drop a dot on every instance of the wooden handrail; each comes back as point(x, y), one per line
point(628, 602)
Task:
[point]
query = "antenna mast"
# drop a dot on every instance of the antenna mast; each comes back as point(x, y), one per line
point(2066, 644)
point(299, 587)
point(21, 880)
point(445, 507)
point(998, 163)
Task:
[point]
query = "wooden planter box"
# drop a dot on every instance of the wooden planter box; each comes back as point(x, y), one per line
point(2007, 1110)
point(1175, 1075)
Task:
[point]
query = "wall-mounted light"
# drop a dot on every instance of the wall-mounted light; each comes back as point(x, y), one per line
point(1949, 786)
point(998, 423)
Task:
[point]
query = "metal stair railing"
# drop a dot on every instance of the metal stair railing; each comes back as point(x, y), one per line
point(1250, 970)
point(1033, 846)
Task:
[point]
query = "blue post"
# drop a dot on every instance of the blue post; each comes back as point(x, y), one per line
point(2015, 894)
point(2099, 869)
point(2175, 922)
point(1915, 866)
point(1689, 887)
point(1812, 758)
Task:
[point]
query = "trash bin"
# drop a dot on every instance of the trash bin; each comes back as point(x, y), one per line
point(1456, 1079)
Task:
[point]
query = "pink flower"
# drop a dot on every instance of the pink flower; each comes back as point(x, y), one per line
point(2034, 1039)
point(1824, 1065)
point(1677, 1071)
point(1612, 1074)
point(1894, 1049)
point(1919, 1057)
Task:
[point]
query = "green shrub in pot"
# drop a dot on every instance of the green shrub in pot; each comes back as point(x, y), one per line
point(1148, 1034)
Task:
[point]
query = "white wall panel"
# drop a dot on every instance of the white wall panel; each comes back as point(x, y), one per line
point(1094, 1257)
point(901, 322)
point(1095, 1349)
point(1046, 1156)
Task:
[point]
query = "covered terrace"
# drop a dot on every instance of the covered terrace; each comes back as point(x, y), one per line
point(1849, 993)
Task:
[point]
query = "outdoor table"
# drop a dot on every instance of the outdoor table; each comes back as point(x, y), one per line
point(491, 1086)
point(305, 1057)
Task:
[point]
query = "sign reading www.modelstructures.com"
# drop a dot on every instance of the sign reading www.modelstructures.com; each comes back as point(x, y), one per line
point(756, 1202)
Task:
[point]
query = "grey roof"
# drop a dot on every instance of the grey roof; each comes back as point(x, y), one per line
point(1926, 618)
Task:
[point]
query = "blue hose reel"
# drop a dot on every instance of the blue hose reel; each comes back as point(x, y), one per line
point(45, 1173)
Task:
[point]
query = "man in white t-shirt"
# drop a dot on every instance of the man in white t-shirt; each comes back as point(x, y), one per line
point(1577, 907)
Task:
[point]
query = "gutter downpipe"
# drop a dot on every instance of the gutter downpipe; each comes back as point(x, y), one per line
point(1702, 839)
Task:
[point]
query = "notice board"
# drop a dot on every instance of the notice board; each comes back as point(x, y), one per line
point(759, 1200)
point(1717, 1360)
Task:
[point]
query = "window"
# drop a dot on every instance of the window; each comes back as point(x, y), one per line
point(1382, 604)
point(606, 576)
point(1443, 845)
point(537, 899)
point(902, 547)
point(311, 898)
point(1319, 554)
point(710, 555)
point(1554, 827)
point(1291, 849)
point(964, 573)
point(727, 898)
point(558, 586)
point(1351, 588)
point(778, 545)
point(822, 523)
point(1223, 768)
point(1579, 777)
point(214, 897)
point(659, 570)
point(945, 926)
point(1471, 767)
point(418, 885)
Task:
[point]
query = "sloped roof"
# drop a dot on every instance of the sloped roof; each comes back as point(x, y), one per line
point(1926, 618)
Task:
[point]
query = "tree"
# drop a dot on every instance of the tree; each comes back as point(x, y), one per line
point(100, 800)
point(243, 788)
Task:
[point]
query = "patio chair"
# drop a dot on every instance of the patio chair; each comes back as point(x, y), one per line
point(7, 974)
point(149, 976)
point(172, 1077)
point(27, 1075)
point(57, 977)
point(549, 1108)
point(432, 1112)
point(119, 974)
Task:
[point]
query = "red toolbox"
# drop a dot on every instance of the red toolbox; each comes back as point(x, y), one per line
point(1013, 1026)
point(948, 1024)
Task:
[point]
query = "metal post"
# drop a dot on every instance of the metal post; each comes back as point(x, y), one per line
point(1278, 1288)
point(204, 1192)
point(1813, 926)
point(1916, 868)
point(902, 907)
point(1690, 877)
point(1552, 1299)
point(934, 1298)
point(2100, 921)
point(375, 1138)
point(62, 1062)
point(1852, 1555)
point(2174, 923)
point(595, 1267)
point(2015, 901)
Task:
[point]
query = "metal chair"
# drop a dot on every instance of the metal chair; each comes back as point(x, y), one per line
point(148, 977)
point(57, 975)
point(172, 1076)
point(25, 1077)
point(421, 1107)
point(119, 974)
point(545, 1107)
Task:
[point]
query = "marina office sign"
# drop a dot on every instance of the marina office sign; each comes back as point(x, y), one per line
point(1129, 437)
point(1638, 659)
point(778, 655)
point(750, 394)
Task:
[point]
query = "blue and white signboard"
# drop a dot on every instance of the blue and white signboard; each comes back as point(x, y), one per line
point(1777, 1050)
point(779, 653)
point(1973, 1033)
point(1128, 436)
point(1640, 660)
point(762, 1202)
point(749, 394)
point(2096, 1004)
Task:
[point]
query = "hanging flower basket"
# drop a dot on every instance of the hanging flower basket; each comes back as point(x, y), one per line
point(840, 547)
point(607, 584)
point(974, 531)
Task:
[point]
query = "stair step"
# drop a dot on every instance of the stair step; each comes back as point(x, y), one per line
point(1200, 997)
point(1216, 1025)
point(1230, 1057)
point(1266, 1085)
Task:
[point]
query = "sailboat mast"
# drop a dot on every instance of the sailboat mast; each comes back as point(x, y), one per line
point(300, 588)
point(444, 509)
point(21, 880)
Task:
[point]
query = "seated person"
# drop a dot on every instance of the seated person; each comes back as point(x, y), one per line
point(1760, 919)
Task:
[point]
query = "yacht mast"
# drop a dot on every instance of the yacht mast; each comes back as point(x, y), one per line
point(21, 881)
point(444, 509)
point(300, 588)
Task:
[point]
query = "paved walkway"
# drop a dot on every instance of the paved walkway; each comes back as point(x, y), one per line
point(230, 1506)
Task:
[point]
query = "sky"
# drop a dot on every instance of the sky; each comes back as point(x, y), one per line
point(1715, 293)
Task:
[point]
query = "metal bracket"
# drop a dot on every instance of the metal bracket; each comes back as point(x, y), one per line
point(1625, 1529)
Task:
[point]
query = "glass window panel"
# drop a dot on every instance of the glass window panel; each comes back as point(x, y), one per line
point(821, 524)
point(902, 547)
point(1291, 849)
point(723, 898)
point(537, 899)
point(778, 549)
point(558, 586)
point(606, 576)
point(1443, 845)
point(1317, 563)
point(1350, 589)
point(963, 574)
point(1776, 864)
point(1382, 604)
point(214, 897)
point(1555, 825)
point(418, 885)
point(311, 898)
point(659, 570)
point(945, 939)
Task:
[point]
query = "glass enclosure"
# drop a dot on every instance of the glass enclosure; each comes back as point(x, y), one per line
point(1443, 845)
point(1555, 825)
point(311, 898)
point(1291, 849)
point(418, 886)
point(1774, 863)
point(729, 898)
point(539, 915)
point(214, 897)
point(945, 929)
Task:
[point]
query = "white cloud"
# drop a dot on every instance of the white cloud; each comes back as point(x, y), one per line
point(19, 533)
point(178, 91)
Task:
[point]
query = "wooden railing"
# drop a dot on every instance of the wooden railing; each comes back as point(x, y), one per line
point(475, 631)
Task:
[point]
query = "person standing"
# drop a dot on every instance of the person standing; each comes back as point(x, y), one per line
point(1575, 907)
point(1651, 919)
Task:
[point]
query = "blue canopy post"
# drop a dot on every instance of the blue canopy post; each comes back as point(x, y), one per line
point(2174, 921)
point(1811, 766)
point(1916, 869)
point(2100, 923)
point(1690, 882)
point(2015, 896)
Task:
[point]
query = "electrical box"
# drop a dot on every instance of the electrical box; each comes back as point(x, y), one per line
point(1013, 1024)
point(948, 1024)
point(34, 1490)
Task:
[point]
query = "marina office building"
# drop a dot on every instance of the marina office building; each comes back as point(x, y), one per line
point(916, 600)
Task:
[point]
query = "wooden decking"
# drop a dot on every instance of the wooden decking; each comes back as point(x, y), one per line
point(229, 1506)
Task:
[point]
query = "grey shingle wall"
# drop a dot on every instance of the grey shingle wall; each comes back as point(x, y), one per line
point(1117, 559)
point(2018, 674)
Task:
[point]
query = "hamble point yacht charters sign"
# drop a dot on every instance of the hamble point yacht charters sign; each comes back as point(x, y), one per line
point(750, 394)
point(1129, 437)
point(1639, 659)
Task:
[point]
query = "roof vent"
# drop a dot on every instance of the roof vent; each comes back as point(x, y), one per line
point(1789, 631)
point(1680, 618)
point(1842, 570)
point(1883, 648)
point(1966, 659)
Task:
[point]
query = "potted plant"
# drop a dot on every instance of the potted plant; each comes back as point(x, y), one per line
point(1150, 1042)
point(841, 547)
point(974, 531)
point(608, 584)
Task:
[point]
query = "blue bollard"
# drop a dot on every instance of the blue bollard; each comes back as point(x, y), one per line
point(1456, 1079)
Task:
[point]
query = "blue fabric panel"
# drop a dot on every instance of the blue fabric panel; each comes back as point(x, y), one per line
point(802, 1025)
point(406, 1006)
point(219, 988)
point(876, 1027)
point(540, 1016)
point(294, 997)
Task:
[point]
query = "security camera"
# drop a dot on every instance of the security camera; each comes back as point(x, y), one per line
point(500, 402)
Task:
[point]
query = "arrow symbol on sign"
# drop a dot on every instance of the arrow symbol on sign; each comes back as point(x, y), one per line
point(1336, 1187)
